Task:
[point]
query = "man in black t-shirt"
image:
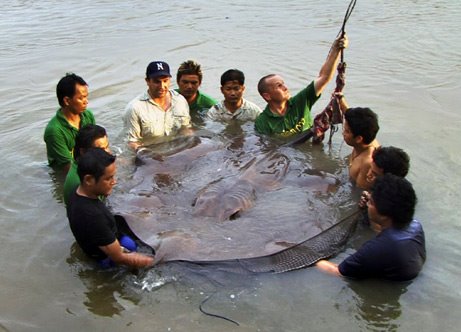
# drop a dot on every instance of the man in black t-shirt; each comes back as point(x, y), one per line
point(92, 224)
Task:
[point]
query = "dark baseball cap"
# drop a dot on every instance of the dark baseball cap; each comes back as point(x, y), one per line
point(157, 69)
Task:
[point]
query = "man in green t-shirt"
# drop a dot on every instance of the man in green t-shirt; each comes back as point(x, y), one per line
point(286, 115)
point(60, 133)
point(90, 136)
point(189, 78)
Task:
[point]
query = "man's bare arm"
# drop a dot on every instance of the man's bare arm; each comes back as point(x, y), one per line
point(115, 252)
point(328, 267)
point(328, 68)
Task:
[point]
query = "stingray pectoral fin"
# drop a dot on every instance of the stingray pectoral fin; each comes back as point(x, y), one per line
point(268, 172)
point(173, 245)
point(319, 183)
point(141, 203)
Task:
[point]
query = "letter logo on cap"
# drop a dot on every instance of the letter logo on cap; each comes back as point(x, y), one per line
point(159, 66)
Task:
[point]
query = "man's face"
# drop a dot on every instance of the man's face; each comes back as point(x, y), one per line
point(158, 86)
point(348, 135)
point(373, 214)
point(232, 91)
point(276, 89)
point(188, 85)
point(78, 103)
point(373, 173)
point(102, 143)
point(106, 182)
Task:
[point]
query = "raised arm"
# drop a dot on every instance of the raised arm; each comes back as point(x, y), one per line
point(328, 68)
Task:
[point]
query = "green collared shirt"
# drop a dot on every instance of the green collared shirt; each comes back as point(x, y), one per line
point(297, 118)
point(60, 137)
point(202, 103)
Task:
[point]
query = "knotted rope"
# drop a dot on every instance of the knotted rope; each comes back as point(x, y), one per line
point(332, 114)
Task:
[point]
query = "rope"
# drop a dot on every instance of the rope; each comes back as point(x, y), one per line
point(332, 114)
point(349, 10)
point(215, 315)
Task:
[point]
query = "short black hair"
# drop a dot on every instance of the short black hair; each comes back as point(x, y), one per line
point(232, 75)
point(363, 122)
point(66, 87)
point(392, 160)
point(262, 84)
point(395, 198)
point(94, 163)
point(86, 137)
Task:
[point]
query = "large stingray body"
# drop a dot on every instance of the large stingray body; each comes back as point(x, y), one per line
point(215, 200)
point(225, 198)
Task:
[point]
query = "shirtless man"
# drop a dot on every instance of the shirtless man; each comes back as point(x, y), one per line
point(359, 131)
point(385, 159)
point(388, 159)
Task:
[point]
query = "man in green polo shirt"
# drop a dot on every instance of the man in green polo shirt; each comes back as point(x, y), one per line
point(89, 136)
point(60, 133)
point(285, 115)
point(189, 78)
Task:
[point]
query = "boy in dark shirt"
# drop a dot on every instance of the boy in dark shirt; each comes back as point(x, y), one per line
point(92, 224)
point(398, 252)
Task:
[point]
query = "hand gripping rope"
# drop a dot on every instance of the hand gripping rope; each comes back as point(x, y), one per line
point(332, 114)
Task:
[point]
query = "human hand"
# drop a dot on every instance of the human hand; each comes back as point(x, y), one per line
point(341, 42)
point(338, 94)
point(134, 145)
point(364, 198)
point(186, 131)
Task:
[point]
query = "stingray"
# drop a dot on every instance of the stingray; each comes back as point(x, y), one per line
point(159, 151)
point(163, 164)
point(225, 198)
point(279, 196)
